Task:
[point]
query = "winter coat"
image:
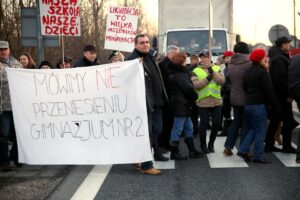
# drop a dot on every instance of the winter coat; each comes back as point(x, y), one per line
point(163, 66)
point(294, 78)
point(258, 86)
point(182, 90)
point(238, 65)
point(4, 94)
point(279, 65)
point(152, 84)
point(85, 63)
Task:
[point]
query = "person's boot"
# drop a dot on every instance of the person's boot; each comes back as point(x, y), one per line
point(227, 152)
point(193, 153)
point(288, 149)
point(160, 157)
point(175, 155)
point(203, 145)
point(211, 148)
point(204, 148)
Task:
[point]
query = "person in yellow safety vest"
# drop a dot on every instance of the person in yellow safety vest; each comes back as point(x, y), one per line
point(208, 80)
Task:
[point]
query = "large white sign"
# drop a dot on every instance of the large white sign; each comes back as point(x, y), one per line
point(92, 115)
point(121, 28)
point(60, 17)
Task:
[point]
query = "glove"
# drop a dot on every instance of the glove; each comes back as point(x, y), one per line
point(209, 77)
point(210, 70)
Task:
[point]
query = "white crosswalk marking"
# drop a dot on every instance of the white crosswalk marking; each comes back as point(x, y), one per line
point(219, 160)
point(92, 183)
point(287, 159)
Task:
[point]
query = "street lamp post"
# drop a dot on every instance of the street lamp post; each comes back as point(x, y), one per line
point(295, 37)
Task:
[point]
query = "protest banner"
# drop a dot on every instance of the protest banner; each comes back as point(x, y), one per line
point(91, 115)
point(121, 28)
point(60, 17)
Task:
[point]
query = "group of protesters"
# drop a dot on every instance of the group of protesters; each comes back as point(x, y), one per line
point(254, 86)
point(258, 85)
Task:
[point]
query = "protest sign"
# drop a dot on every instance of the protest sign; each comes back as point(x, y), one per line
point(60, 17)
point(91, 115)
point(121, 28)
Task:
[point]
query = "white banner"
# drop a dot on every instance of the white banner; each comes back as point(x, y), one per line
point(91, 115)
point(121, 28)
point(60, 17)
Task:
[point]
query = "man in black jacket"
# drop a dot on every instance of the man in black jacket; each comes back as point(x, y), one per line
point(155, 95)
point(279, 64)
point(89, 57)
point(294, 89)
point(167, 112)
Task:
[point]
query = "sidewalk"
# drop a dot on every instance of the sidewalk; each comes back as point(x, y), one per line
point(31, 181)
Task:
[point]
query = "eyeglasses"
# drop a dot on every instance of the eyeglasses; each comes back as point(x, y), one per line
point(144, 42)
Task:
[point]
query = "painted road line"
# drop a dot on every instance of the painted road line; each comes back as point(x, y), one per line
point(170, 164)
point(219, 160)
point(288, 159)
point(92, 183)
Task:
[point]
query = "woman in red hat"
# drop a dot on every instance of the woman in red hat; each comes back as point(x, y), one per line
point(259, 95)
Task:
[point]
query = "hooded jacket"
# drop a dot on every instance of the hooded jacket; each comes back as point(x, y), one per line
point(238, 65)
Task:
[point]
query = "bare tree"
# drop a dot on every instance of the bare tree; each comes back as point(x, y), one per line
point(93, 15)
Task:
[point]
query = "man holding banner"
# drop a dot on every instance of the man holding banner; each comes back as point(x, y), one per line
point(7, 128)
point(155, 96)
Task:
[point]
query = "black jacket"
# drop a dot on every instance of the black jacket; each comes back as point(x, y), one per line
point(279, 64)
point(181, 90)
point(294, 78)
point(85, 63)
point(156, 93)
point(163, 66)
point(258, 87)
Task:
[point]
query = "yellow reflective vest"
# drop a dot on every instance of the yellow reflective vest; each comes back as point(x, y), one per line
point(212, 89)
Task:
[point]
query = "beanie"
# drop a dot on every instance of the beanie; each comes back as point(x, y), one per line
point(227, 54)
point(89, 47)
point(257, 55)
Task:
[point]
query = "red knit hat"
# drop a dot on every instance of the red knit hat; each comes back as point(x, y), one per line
point(227, 54)
point(257, 55)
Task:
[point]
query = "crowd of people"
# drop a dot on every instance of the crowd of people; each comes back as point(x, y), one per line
point(256, 86)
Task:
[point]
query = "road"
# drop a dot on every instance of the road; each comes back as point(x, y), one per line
point(212, 177)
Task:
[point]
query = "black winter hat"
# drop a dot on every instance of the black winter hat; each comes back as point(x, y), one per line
point(89, 47)
point(45, 62)
point(282, 40)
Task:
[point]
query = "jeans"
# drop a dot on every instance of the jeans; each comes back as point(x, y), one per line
point(205, 114)
point(7, 130)
point(182, 124)
point(239, 122)
point(256, 116)
point(155, 129)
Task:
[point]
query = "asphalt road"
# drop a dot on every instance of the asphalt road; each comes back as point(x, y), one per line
point(212, 177)
point(188, 180)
